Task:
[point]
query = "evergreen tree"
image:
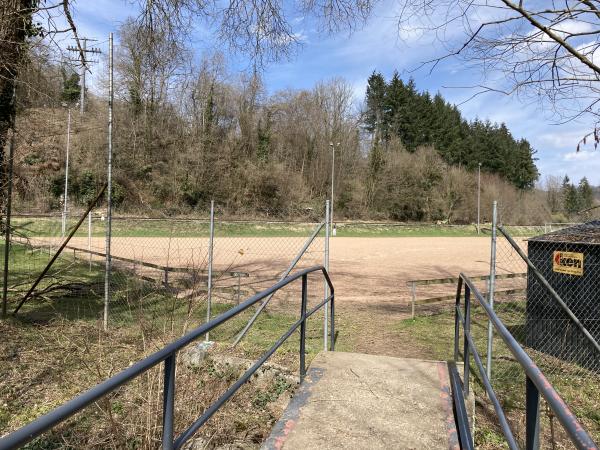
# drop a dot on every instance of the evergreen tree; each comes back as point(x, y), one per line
point(376, 165)
point(586, 194)
point(570, 196)
point(397, 109)
point(376, 116)
point(71, 89)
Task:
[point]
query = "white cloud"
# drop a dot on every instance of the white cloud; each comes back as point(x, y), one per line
point(583, 155)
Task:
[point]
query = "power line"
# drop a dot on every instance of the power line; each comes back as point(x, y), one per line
point(83, 52)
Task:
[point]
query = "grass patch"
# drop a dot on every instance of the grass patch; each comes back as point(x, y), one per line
point(55, 348)
point(580, 388)
point(45, 226)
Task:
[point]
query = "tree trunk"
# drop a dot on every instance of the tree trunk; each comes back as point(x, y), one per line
point(15, 25)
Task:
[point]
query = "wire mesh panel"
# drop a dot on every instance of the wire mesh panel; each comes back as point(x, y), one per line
point(158, 290)
point(159, 267)
point(546, 325)
point(71, 288)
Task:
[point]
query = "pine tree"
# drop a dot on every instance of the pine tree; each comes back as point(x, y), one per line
point(395, 105)
point(375, 116)
point(586, 194)
point(570, 196)
point(397, 109)
point(71, 89)
point(376, 164)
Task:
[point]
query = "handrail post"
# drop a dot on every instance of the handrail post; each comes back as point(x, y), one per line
point(332, 318)
point(467, 331)
point(532, 416)
point(168, 402)
point(456, 319)
point(303, 327)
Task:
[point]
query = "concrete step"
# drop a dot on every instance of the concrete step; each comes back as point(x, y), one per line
point(357, 401)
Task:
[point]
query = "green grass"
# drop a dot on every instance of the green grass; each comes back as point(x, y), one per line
point(54, 348)
point(579, 388)
point(44, 227)
point(404, 230)
point(134, 301)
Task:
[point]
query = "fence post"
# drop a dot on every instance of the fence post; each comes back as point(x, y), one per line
point(109, 183)
point(239, 286)
point(467, 331)
point(491, 288)
point(303, 327)
point(210, 262)
point(532, 416)
point(11, 152)
point(90, 238)
point(326, 265)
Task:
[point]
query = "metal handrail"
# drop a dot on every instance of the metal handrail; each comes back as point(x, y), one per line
point(168, 355)
point(460, 409)
point(536, 383)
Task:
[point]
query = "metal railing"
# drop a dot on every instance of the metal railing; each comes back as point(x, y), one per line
point(168, 355)
point(536, 383)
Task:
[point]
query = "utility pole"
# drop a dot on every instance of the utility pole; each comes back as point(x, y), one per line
point(478, 198)
point(65, 196)
point(82, 53)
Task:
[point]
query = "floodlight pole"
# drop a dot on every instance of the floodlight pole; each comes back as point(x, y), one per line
point(478, 198)
point(109, 182)
point(65, 196)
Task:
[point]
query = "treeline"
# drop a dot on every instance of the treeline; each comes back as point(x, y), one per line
point(567, 200)
point(396, 109)
point(185, 134)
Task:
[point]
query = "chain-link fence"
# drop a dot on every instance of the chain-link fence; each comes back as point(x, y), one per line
point(158, 290)
point(158, 266)
point(546, 326)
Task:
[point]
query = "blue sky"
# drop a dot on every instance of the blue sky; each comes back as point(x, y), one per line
point(377, 47)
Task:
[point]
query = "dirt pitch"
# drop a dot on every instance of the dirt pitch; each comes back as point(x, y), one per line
point(367, 271)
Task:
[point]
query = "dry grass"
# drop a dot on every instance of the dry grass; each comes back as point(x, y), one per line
point(45, 365)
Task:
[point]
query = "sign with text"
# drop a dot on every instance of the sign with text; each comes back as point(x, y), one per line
point(568, 262)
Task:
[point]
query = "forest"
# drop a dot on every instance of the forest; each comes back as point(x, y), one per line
point(187, 133)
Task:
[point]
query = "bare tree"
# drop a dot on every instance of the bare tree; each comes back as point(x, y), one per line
point(546, 50)
point(24, 25)
point(262, 29)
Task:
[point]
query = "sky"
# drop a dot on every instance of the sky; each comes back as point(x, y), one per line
point(378, 46)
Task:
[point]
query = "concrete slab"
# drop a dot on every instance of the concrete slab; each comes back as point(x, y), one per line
point(351, 400)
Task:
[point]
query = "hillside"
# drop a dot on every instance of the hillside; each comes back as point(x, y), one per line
point(255, 154)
